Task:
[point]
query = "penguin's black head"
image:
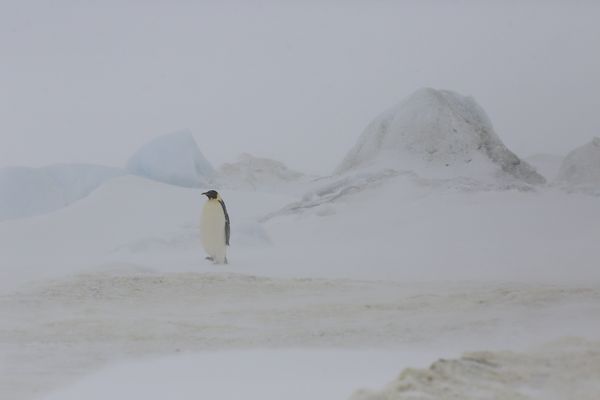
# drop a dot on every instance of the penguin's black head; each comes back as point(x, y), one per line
point(211, 194)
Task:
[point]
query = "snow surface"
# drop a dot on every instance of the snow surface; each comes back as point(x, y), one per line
point(384, 262)
point(255, 173)
point(173, 158)
point(438, 133)
point(242, 374)
point(566, 369)
point(581, 167)
point(391, 264)
point(546, 164)
point(32, 191)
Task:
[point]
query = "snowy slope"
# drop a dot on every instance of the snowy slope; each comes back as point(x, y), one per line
point(31, 191)
point(257, 173)
point(546, 164)
point(390, 228)
point(581, 167)
point(173, 158)
point(437, 133)
point(125, 220)
point(384, 259)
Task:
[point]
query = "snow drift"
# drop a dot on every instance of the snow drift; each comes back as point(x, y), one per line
point(250, 172)
point(173, 158)
point(582, 165)
point(437, 129)
point(566, 369)
point(31, 191)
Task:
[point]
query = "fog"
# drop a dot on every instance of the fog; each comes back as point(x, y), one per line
point(92, 81)
point(419, 261)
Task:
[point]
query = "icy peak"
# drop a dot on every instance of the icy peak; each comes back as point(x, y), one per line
point(173, 158)
point(438, 128)
point(582, 165)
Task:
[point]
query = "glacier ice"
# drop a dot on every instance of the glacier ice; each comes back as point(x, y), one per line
point(27, 191)
point(172, 158)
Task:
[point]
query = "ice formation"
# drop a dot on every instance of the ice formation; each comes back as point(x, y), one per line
point(173, 158)
point(582, 165)
point(437, 129)
point(31, 191)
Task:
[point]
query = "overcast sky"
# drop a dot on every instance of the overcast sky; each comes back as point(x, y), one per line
point(91, 81)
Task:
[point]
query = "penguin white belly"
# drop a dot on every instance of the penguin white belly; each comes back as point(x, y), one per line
point(212, 229)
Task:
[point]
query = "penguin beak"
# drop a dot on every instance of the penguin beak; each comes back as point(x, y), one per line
point(205, 193)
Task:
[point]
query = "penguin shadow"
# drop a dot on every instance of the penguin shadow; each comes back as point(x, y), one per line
point(213, 260)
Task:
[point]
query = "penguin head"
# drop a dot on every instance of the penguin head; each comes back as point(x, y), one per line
point(211, 194)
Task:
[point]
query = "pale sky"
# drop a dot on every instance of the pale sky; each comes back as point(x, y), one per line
point(91, 81)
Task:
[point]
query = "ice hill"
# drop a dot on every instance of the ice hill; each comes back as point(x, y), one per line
point(546, 164)
point(581, 167)
point(438, 133)
point(27, 191)
point(255, 173)
point(173, 158)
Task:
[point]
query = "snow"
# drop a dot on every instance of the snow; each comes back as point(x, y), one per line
point(566, 369)
point(126, 219)
point(242, 374)
point(546, 164)
point(26, 191)
point(72, 327)
point(438, 133)
point(173, 158)
point(398, 264)
point(334, 284)
point(581, 167)
point(255, 173)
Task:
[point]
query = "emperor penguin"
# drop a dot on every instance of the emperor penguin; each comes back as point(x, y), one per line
point(214, 228)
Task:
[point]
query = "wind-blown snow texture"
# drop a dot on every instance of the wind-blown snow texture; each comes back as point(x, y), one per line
point(441, 129)
point(566, 369)
point(173, 158)
point(26, 191)
point(582, 165)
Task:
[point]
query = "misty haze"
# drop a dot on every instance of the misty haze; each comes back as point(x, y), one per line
point(299, 200)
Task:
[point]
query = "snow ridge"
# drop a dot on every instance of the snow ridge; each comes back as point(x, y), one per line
point(566, 369)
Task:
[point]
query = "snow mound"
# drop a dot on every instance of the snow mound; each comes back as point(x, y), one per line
point(250, 172)
point(26, 191)
point(581, 166)
point(567, 369)
point(173, 158)
point(546, 164)
point(438, 129)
